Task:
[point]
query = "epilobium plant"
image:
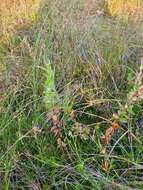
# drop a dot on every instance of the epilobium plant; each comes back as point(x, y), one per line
point(51, 96)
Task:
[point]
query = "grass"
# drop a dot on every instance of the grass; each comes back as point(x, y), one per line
point(124, 8)
point(71, 99)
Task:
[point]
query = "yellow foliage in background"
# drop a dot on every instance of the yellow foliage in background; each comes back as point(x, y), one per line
point(17, 12)
point(125, 7)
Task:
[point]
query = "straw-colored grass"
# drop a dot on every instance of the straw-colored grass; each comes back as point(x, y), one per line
point(125, 7)
point(17, 12)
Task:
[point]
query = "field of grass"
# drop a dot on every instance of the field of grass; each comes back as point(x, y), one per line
point(71, 96)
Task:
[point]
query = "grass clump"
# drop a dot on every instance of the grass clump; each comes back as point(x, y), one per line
point(71, 100)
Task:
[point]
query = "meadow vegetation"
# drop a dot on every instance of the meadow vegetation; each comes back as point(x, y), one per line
point(71, 91)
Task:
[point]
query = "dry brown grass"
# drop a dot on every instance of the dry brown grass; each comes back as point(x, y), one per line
point(16, 13)
point(125, 8)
